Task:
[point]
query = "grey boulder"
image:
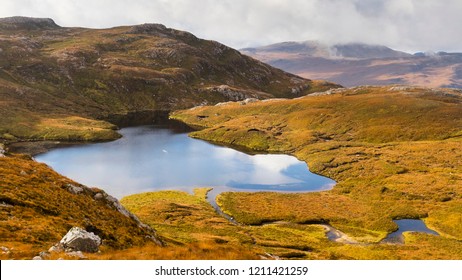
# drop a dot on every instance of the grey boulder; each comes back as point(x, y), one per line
point(78, 239)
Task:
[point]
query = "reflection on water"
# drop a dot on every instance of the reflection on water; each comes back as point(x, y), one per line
point(150, 158)
point(407, 225)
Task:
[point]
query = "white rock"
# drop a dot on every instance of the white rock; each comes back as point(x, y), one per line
point(74, 189)
point(77, 254)
point(78, 239)
point(2, 150)
point(248, 101)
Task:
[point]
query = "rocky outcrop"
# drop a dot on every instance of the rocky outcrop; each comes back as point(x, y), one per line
point(74, 189)
point(248, 101)
point(235, 94)
point(229, 92)
point(75, 242)
point(113, 203)
point(27, 23)
point(78, 239)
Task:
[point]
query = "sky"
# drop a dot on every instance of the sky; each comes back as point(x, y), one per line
point(407, 25)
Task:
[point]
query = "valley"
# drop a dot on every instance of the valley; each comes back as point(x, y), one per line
point(393, 151)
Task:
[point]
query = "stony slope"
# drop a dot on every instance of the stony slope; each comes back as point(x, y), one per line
point(362, 64)
point(54, 81)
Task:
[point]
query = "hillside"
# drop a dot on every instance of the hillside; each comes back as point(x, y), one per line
point(38, 206)
point(394, 152)
point(74, 84)
point(361, 64)
point(65, 83)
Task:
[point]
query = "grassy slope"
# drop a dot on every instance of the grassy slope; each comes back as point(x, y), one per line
point(193, 230)
point(37, 208)
point(63, 83)
point(54, 81)
point(394, 154)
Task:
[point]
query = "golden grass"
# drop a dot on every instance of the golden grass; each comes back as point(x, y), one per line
point(394, 154)
point(37, 210)
point(182, 218)
point(206, 235)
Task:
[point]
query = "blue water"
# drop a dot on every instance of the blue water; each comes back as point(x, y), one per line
point(151, 158)
point(404, 225)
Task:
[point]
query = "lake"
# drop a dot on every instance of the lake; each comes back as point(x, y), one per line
point(404, 225)
point(161, 157)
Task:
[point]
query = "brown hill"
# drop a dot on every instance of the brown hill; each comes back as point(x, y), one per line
point(67, 83)
point(361, 64)
point(54, 78)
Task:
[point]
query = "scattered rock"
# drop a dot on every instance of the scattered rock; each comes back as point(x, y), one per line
point(74, 189)
point(76, 254)
point(57, 248)
point(37, 258)
point(401, 88)
point(248, 101)
point(23, 173)
point(78, 239)
point(98, 196)
point(223, 103)
point(44, 255)
point(2, 150)
point(229, 92)
point(4, 250)
point(328, 92)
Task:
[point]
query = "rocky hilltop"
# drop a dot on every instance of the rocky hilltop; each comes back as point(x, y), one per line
point(358, 64)
point(17, 23)
point(56, 81)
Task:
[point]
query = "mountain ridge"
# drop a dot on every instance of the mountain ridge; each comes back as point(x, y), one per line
point(319, 49)
point(20, 22)
point(358, 64)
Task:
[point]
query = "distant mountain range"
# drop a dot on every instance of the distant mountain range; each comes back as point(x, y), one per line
point(361, 64)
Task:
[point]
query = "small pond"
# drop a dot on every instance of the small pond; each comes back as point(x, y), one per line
point(404, 225)
point(159, 157)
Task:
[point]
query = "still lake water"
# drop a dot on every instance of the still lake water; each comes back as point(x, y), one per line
point(407, 225)
point(152, 158)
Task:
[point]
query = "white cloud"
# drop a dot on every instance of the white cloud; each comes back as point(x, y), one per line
point(402, 24)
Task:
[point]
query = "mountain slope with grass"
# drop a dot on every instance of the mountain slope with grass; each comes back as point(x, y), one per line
point(394, 152)
point(38, 206)
point(66, 83)
point(74, 84)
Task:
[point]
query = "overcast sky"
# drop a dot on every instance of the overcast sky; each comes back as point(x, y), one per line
point(409, 25)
